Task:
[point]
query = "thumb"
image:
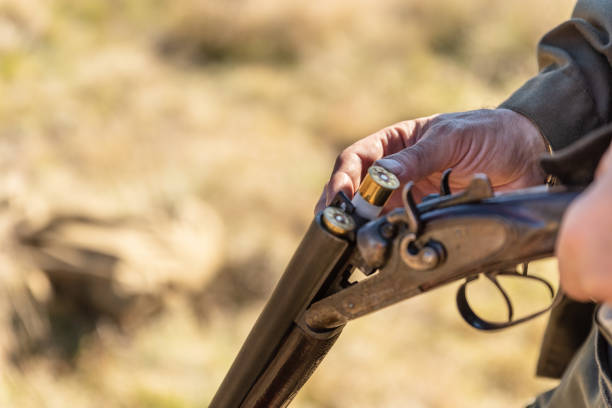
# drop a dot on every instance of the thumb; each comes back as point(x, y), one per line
point(417, 161)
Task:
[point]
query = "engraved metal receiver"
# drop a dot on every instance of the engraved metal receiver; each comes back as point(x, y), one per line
point(444, 238)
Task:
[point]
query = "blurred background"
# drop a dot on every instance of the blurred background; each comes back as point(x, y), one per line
point(160, 160)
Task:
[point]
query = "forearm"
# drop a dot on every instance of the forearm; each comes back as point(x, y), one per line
point(571, 95)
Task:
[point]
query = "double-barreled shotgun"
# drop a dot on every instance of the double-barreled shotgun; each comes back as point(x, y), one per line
point(408, 251)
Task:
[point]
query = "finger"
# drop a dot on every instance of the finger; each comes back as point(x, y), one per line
point(352, 163)
point(347, 173)
point(418, 161)
point(605, 163)
point(320, 206)
point(340, 181)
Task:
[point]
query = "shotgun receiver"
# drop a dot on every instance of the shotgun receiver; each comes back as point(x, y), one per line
point(408, 251)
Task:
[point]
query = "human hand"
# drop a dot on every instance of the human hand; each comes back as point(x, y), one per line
point(501, 143)
point(584, 246)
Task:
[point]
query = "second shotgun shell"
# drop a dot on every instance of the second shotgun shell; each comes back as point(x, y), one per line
point(337, 221)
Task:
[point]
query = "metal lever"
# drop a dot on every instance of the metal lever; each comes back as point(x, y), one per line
point(410, 213)
point(480, 188)
point(445, 183)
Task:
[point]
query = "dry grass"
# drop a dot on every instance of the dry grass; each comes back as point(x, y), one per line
point(214, 125)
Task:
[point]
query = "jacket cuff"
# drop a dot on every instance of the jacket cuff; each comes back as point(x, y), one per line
point(558, 104)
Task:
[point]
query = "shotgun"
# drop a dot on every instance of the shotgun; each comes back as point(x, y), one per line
point(410, 250)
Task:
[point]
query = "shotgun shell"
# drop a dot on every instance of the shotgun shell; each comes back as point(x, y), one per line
point(337, 221)
point(374, 191)
point(377, 186)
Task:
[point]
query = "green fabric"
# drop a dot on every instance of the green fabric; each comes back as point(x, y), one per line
point(572, 94)
point(586, 382)
point(568, 326)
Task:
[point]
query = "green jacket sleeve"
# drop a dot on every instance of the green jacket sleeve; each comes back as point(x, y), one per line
point(572, 93)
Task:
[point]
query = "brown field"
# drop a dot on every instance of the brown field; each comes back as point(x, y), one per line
point(161, 159)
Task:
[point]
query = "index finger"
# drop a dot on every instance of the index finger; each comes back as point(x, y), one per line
point(353, 162)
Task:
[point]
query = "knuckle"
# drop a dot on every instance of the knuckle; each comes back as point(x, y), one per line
point(417, 154)
point(445, 127)
point(341, 159)
point(337, 178)
point(393, 132)
point(458, 125)
point(345, 155)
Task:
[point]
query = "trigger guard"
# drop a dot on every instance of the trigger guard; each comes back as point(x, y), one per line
point(477, 322)
point(468, 314)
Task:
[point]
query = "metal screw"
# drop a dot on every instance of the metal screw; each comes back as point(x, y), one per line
point(388, 230)
point(429, 257)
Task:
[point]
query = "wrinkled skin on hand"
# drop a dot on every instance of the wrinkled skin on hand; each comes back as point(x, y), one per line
point(584, 247)
point(499, 142)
